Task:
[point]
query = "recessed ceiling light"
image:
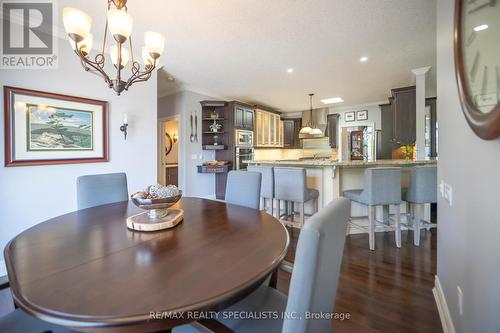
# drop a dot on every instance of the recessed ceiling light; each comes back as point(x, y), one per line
point(290, 70)
point(363, 59)
point(481, 27)
point(332, 100)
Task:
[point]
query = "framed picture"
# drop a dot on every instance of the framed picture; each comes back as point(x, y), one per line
point(362, 115)
point(349, 116)
point(43, 128)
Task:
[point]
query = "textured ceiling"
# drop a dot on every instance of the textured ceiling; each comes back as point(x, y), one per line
point(241, 49)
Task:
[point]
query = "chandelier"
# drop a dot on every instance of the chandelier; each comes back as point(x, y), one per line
point(119, 23)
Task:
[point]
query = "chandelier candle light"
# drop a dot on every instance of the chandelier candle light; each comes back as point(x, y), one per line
point(119, 23)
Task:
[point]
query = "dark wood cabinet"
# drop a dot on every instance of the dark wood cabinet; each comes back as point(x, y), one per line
point(332, 129)
point(249, 120)
point(398, 123)
point(172, 175)
point(404, 113)
point(243, 118)
point(385, 140)
point(291, 128)
point(431, 102)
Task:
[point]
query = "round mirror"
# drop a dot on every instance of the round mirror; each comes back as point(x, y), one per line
point(477, 61)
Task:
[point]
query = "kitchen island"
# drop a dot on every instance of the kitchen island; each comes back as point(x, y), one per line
point(331, 177)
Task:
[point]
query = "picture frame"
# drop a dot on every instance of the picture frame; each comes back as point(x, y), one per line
point(43, 128)
point(349, 116)
point(362, 115)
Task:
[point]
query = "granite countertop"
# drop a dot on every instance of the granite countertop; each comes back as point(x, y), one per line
point(349, 164)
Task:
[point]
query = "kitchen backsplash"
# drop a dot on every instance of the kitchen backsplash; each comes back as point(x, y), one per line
point(292, 154)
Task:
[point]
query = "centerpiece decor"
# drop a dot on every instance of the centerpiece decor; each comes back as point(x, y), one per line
point(156, 200)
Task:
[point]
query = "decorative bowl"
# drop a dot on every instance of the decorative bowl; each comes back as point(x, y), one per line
point(157, 208)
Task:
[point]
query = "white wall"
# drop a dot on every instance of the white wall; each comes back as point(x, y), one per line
point(374, 115)
point(191, 182)
point(468, 232)
point(32, 194)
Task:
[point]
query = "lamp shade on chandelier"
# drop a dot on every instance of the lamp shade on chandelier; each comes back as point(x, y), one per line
point(119, 23)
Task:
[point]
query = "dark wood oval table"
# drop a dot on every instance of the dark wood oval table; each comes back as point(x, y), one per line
point(85, 270)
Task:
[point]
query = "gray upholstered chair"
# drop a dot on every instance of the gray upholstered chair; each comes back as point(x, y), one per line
point(96, 190)
point(243, 188)
point(267, 185)
point(422, 189)
point(313, 285)
point(290, 186)
point(382, 187)
point(19, 321)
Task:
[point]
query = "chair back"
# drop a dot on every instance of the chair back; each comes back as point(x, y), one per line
point(382, 186)
point(243, 188)
point(96, 190)
point(267, 186)
point(290, 184)
point(423, 185)
point(315, 275)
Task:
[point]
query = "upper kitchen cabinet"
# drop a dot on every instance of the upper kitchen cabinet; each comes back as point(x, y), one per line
point(385, 145)
point(243, 117)
point(291, 128)
point(268, 129)
point(404, 115)
point(332, 121)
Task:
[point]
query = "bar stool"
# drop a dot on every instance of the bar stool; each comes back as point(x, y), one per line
point(382, 187)
point(290, 186)
point(422, 189)
point(266, 187)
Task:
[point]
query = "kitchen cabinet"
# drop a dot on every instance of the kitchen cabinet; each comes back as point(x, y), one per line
point(268, 128)
point(243, 118)
point(291, 128)
point(385, 140)
point(431, 103)
point(404, 115)
point(332, 129)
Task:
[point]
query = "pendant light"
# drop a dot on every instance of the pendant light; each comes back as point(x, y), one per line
point(310, 130)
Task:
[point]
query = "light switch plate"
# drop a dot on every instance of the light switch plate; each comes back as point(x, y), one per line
point(194, 156)
point(446, 192)
point(460, 299)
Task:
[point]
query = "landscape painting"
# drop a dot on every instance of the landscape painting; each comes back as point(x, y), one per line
point(43, 128)
point(51, 128)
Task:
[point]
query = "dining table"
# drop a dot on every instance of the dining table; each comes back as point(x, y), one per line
point(88, 272)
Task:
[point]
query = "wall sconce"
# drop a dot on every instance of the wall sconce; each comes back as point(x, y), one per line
point(174, 137)
point(124, 126)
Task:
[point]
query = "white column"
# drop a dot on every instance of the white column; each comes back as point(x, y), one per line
point(420, 76)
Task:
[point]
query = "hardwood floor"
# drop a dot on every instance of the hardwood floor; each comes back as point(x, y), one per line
point(386, 290)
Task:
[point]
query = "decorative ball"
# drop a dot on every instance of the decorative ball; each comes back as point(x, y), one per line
point(159, 191)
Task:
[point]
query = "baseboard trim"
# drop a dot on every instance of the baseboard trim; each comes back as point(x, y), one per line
point(442, 305)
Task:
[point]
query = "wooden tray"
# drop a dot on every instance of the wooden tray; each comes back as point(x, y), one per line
point(142, 222)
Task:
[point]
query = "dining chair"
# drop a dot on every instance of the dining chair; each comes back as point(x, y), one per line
point(18, 321)
point(267, 186)
point(96, 190)
point(422, 189)
point(313, 285)
point(382, 187)
point(243, 188)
